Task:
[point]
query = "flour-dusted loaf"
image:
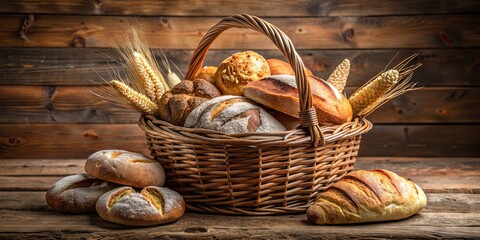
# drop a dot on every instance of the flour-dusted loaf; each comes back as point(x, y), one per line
point(77, 193)
point(367, 196)
point(176, 104)
point(232, 114)
point(280, 92)
point(151, 206)
point(124, 167)
point(238, 70)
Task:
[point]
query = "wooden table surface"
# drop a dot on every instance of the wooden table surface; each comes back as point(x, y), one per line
point(453, 210)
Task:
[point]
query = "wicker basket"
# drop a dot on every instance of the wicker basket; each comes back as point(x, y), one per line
point(255, 173)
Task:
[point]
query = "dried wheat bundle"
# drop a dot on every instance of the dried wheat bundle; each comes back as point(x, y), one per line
point(137, 100)
point(383, 87)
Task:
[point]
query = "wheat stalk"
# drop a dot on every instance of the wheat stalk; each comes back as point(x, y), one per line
point(137, 100)
point(373, 91)
point(153, 82)
point(339, 76)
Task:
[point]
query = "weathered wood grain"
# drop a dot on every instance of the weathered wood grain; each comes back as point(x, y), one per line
point(73, 104)
point(278, 8)
point(80, 140)
point(447, 225)
point(86, 66)
point(426, 31)
point(437, 202)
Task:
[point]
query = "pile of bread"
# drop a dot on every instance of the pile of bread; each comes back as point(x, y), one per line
point(247, 93)
point(122, 187)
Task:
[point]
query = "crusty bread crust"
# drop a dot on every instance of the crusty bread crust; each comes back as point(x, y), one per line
point(280, 92)
point(367, 196)
point(151, 206)
point(279, 67)
point(126, 168)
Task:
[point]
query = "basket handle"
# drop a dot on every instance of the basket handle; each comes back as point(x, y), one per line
point(308, 117)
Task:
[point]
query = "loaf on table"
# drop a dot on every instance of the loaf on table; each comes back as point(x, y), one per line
point(77, 193)
point(151, 206)
point(126, 168)
point(280, 92)
point(232, 114)
point(367, 196)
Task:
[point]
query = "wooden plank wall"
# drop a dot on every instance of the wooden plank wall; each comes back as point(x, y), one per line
point(53, 53)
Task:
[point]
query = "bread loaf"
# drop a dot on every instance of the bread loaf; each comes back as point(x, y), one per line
point(124, 167)
point(176, 104)
point(77, 193)
point(207, 73)
point(232, 114)
point(238, 70)
point(151, 206)
point(367, 196)
point(279, 67)
point(280, 93)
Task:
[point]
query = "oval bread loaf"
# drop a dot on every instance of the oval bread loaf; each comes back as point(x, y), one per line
point(77, 193)
point(151, 206)
point(280, 92)
point(367, 196)
point(279, 67)
point(232, 114)
point(126, 168)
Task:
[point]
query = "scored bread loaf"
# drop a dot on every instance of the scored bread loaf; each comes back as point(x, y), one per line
point(124, 167)
point(367, 196)
point(77, 193)
point(151, 206)
point(280, 92)
point(232, 114)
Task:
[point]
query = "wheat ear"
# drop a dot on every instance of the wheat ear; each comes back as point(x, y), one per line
point(368, 94)
point(137, 100)
point(339, 76)
point(157, 82)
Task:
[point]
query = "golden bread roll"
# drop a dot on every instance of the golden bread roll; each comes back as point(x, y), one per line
point(151, 206)
point(280, 92)
point(232, 114)
point(279, 67)
point(176, 104)
point(207, 73)
point(77, 193)
point(367, 196)
point(238, 70)
point(124, 167)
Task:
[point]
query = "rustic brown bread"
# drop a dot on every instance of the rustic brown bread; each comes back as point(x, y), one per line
point(151, 206)
point(77, 193)
point(280, 92)
point(207, 73)
point(124, 167)
point(279, 67)
point(176, 104)
point(367, 196)
point(232, 114)
point(238, 70)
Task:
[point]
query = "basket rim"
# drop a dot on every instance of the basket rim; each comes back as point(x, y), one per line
point(154, 127)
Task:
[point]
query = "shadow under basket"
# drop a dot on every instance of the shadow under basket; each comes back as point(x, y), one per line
point(252, 174)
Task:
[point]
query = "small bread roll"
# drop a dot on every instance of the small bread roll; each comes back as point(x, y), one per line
point(77, 193)
point(232, 114)
point(151, 206)
point(207, 73)
point(126, 168)
point(279, 67)
point(238, 70)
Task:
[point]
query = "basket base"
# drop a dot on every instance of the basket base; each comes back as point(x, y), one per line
point(242, 211)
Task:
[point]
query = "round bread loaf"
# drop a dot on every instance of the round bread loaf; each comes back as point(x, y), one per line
point(176, 104)
point(238, 70)
point(280, 92)
point(232, 114)
point(279, 67)
point(151, 206)
point(77, 193)
point(124, 167)
point(207, 73)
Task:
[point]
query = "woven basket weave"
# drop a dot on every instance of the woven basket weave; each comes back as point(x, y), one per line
point(254, 173)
